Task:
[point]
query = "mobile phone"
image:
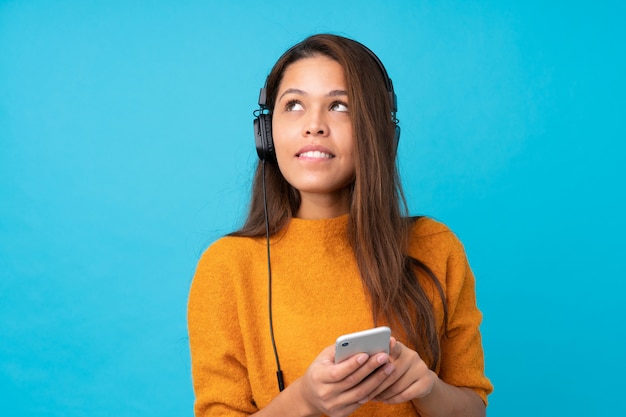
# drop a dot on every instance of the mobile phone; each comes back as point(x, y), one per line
point(370, 341)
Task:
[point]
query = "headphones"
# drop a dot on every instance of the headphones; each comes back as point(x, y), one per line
point(263, 120)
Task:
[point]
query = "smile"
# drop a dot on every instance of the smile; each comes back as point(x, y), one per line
point(315, 155)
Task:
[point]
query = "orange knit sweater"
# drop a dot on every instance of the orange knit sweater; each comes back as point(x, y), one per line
point(317, 296)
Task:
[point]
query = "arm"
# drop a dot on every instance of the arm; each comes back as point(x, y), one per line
point(218, 361)
point(459, 387)
point(448, 400)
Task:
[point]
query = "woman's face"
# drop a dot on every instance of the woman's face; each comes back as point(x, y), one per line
point(313, 134)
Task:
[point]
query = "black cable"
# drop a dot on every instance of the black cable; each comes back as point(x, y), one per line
point(279, 372)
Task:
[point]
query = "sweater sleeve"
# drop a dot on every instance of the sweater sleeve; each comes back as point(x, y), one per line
point(218, 358)
point(462, 359)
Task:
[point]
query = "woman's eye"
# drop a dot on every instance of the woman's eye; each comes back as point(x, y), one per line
point(293, 105)
point(339, 106)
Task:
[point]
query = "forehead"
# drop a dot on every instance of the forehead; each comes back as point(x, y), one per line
point(318, 71)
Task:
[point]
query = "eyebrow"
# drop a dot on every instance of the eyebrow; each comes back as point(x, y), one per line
point(332, 93)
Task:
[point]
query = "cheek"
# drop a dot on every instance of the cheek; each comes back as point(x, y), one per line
point(348, 145)
point(280, 133)
point(282, 149)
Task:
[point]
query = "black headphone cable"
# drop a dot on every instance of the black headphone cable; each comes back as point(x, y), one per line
point(279, 372)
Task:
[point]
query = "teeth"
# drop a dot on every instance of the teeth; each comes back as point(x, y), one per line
point(315, 154)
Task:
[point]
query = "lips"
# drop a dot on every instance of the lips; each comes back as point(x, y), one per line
point(315, 155)
point(314, 152)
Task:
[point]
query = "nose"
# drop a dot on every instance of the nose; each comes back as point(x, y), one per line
point(316, 124)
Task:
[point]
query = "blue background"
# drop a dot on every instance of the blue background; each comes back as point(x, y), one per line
point(126, 148)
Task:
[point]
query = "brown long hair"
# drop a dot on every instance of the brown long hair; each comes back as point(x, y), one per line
point(378, 228)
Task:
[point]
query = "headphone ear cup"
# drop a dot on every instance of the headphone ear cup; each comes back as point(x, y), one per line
point(263, 138)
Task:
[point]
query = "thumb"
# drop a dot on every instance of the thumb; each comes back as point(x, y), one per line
point(395, 348)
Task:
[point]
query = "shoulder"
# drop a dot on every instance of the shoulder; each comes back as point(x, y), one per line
point(227, 258)
point(224, 271)
point(428, 232)
point(434, 244)
point(230, 248)
point(427, 226)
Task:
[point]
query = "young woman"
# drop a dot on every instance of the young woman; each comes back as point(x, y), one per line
point(341, 255)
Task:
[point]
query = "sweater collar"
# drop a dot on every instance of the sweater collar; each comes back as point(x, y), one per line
point(335, 227)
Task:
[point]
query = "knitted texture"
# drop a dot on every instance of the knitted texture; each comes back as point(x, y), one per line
point(317, 296)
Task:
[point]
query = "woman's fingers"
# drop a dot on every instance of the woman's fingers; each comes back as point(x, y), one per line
point(338, 389)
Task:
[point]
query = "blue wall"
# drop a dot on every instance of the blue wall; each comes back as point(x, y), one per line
point(126, 147)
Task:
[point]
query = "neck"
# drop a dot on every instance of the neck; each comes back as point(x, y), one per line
point(323, 206)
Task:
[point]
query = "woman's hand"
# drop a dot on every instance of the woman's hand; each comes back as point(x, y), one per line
point(411, 378)
point(338, 389)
